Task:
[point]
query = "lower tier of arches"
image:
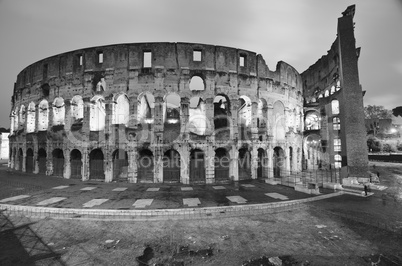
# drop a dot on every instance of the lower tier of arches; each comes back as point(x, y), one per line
point(180, 164)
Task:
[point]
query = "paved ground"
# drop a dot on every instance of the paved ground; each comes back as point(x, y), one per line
point(39, 190)
point(343, 230)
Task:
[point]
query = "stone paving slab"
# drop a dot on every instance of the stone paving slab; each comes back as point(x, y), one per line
point(94, 202)
point(186, 189)
point(142, 203)
point(191, 202)
point(153, 189)
point(14, 198)
point(277, 196)
point(50, 201)
point(218, 187)
point(87, 188)
point(120, 189)
point(247, 185)
point(60, 187)
point(237, 199)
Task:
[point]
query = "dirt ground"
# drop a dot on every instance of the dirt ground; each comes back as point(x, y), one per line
point(345, 230)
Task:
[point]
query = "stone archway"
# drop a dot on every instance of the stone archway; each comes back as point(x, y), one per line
point(96, 164)
point(120, 164)
point(42, 161)
point(58, 162)
point(262, 164)
point(171, 166)
point(222, 162)
point(75, 164)
point(244, 164)
point(197, 166)
point(145, 171)
point(29, 161)
point(279, 162)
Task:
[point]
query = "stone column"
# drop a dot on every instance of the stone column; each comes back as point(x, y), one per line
point(85, 164)
point(49, 158)
point(234, 130)
point(184, 117)
point(234, 164)
point(132, 163)
point(209, 164)
point(209, 113)
point(254, 162)
point(271, 120)
point(67, 164)
point(86, 119)
point(254, 118)
point(185, 164)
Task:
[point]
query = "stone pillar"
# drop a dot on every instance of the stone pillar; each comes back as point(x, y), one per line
point(185, 164)
point(24, 159)
point(234, 130)
point(108, 165)
point(49, 158)
point(209, 113)
point(86, 119)
point(184, 117)
point(234, 164)
point(209, 164)
point(254, 118)
point(67, 164)
point(132, 163)
point(85, 164)
point(254, 162)
point(271, 120)
point(270, 152)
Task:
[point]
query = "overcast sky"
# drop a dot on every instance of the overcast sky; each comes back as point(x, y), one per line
point(298, 32)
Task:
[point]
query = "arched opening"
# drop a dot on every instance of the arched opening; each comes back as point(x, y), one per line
point(58, 162)
point(75, 164)
point(244, 164)
point(197, 166)
point(313, 151)
point(121, 110)
point(171, 117)
point(77, 112)
point(197, 84)
point(145, 109)
point(145, 170)
point(16, 114)
point(29, 161)
point(262, 164)
point(13, 117)
point(42, 161)
point(279, 162)
point(31, 118)
point(22, 116)
point(279, 120)
point(20, 159)
point(312, 121)
point(222, 164)
point(96, 164)
point(197, 116)
point(222, 117)
point(58, 111)
point(171, 166)
point(244, 117)
point(335, 107)
point(97, 114)
point(120, 164)
point(43, 116)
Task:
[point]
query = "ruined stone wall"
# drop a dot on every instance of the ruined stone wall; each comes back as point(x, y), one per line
point(332, 87)
point(100, 75)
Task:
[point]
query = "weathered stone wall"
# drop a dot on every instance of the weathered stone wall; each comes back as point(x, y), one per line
point(334, 77)
point(172, 67)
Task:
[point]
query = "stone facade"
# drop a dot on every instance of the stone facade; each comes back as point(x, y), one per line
point(334, 95)
point(177, 112)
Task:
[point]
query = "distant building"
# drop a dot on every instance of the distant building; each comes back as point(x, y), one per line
point(4, 148)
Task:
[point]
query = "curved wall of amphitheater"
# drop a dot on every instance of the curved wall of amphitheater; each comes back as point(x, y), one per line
point(157, 112)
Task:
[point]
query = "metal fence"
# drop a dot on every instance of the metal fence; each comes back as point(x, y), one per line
point(304, 178)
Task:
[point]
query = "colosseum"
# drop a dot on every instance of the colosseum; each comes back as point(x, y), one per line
point(188, 113)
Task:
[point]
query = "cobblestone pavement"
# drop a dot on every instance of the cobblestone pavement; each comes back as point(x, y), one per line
point(17, 188)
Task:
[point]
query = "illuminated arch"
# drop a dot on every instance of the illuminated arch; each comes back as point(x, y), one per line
point(59, 111)
point(97, 114)
point(43, 115)
point(121, 110)
point(31, 117)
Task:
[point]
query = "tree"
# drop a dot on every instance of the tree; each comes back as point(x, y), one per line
point(377, 112)
point(397, 111)
point(373, 144)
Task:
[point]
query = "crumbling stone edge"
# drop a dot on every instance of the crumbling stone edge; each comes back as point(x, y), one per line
point(159, 214)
